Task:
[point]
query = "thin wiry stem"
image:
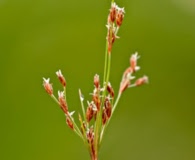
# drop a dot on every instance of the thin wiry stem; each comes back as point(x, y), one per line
point(105, 63)
point(65, 93)
point(99, 113)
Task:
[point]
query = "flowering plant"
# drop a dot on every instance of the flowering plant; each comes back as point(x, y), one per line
point(103, 103)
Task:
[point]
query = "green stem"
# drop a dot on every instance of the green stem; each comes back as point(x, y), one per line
point(65, 93)
point(55, 99)
point(98, 120)
point(98, 124)
point(108, 71)
point(105, 63)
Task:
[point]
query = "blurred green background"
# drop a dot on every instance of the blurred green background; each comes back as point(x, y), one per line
point(38, 37)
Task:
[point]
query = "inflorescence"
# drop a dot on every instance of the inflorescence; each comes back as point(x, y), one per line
point(96, 116)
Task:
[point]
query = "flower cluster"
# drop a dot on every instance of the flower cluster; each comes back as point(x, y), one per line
point(61, 97)
point(98, 111)
point(115, 19)
point(127, 75)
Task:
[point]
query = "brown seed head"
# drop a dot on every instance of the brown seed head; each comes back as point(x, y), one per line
point(133, 62)
point(104, 116)
point(141, 81)
point(108, 107)
point(69, 123)
point(48, 87)
point(90, 135)
point(61, 78)
point(119, 16)
point(112, 15)
point(89, 113)
point(62, 102)
point(111, 37)
point(97, 81)
point(110, 90)
point(96, 99)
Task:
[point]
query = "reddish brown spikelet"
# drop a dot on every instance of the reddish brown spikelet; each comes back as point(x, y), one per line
point(90, 138)
point(110, 90)
point(61, 78)
point(69, 123)
point(96, 81)
point(110, 38)
point(133, 62)
point(119, 17)
point(89, 113)
point(97, 101)
point(112, 15)
point(48, 87)
point(141, 81)
point(108, 107)
point(104, 116)
point(90, 135)
point(62, 102)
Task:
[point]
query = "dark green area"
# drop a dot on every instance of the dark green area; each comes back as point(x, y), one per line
point(38, 37)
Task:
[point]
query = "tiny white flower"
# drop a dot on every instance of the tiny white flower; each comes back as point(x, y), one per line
point(135, 56)
point(59, 73)
point(46, 81)
point(133, 61)
point(120, 9)
point(61, 94)
point(71, 113)
point(47, 86)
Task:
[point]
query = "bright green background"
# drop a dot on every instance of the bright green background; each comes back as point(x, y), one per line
point(38, 37)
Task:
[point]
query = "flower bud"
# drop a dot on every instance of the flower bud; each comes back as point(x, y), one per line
point(89, 112)
point(108, 107)
point(141, 81)
point(96, 81)
point(69, 123)
point(61, 78)
point(47, 86)
point(133, 62)
point(110, 90)
point(90, 135)
point(112, 15)
point(96, 100)
point(62, 102)
point(119, 16)
point(111, 37)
